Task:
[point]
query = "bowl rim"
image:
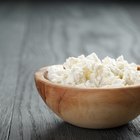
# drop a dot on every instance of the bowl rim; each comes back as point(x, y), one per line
point(40, 75)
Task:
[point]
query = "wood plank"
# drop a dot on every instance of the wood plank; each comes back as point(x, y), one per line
point(11, 36)
point(55, 32)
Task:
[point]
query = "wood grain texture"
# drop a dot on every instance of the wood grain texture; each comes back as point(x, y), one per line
point(11, 35)
point(36, 35)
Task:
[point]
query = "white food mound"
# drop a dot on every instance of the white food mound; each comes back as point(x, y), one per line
point(90, 71)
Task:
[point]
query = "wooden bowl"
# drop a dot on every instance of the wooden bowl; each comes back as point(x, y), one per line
point(90, 107)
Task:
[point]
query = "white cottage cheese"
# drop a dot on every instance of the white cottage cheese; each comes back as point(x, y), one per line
point(90, 71)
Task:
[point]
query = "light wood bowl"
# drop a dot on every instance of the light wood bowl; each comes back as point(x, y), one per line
point(90, 107)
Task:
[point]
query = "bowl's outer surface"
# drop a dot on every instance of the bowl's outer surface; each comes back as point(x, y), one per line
point(90, 108)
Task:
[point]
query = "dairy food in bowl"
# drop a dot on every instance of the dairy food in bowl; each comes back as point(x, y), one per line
point(85, 103)
point(91, 72)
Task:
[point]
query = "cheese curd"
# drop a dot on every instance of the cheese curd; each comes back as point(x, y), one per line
point(90, 71)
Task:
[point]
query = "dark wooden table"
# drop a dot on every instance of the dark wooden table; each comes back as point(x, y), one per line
point(36, 35)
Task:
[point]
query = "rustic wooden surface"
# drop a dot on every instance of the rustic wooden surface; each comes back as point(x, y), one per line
point(36, 35)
